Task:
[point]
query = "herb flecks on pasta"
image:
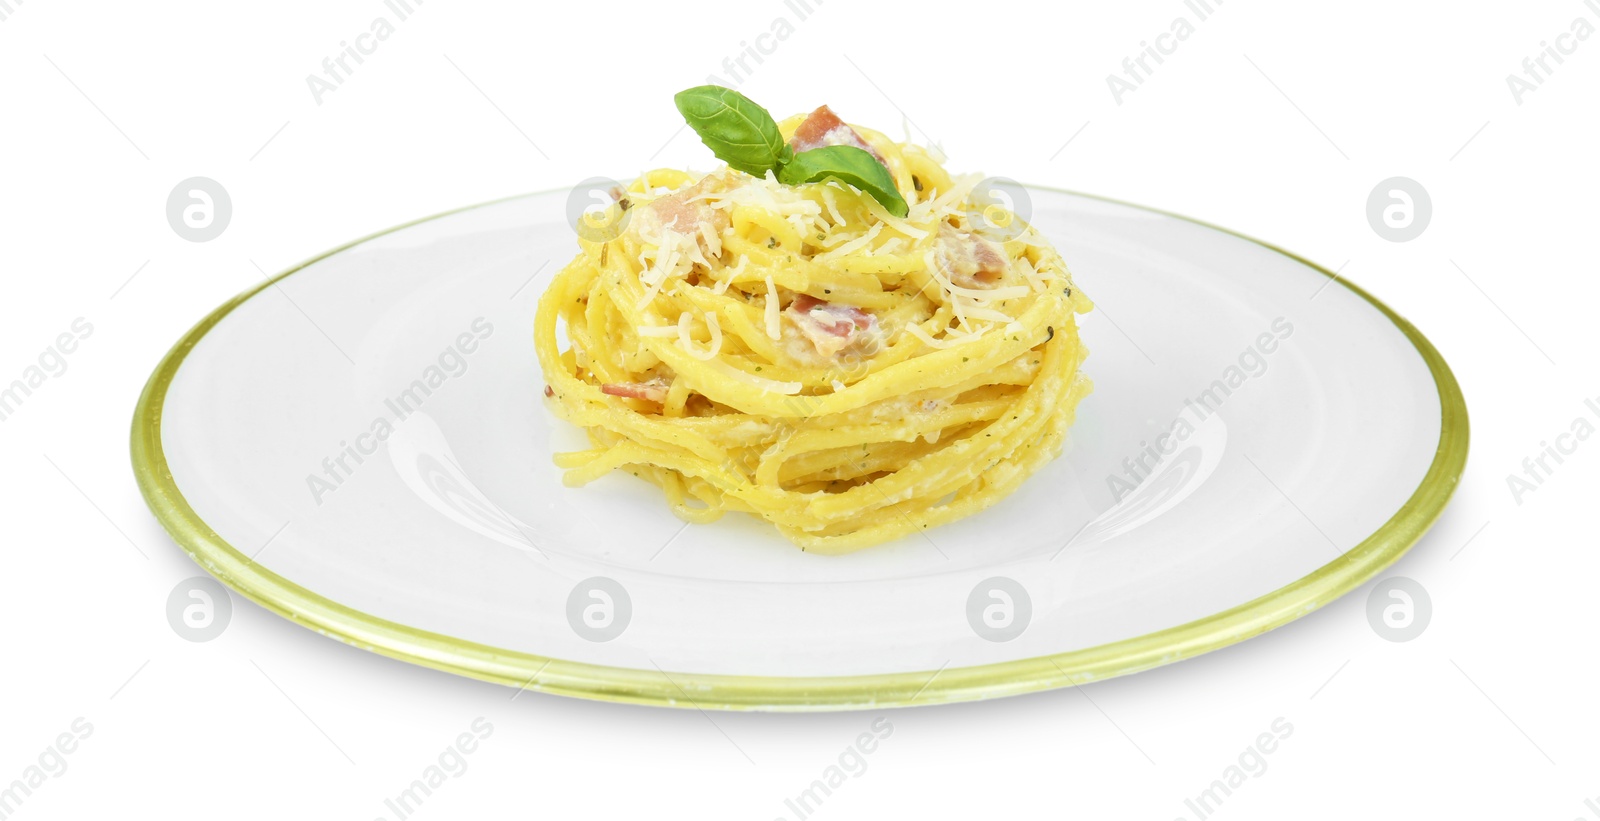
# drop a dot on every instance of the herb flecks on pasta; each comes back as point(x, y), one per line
point(798, 351)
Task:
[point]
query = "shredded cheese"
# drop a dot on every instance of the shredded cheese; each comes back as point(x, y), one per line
point(687, 343)
point(853, 245)
point(771, 312)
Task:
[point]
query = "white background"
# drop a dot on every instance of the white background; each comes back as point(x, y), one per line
point(1274, 119)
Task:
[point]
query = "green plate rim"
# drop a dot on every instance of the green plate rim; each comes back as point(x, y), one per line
point(706, 691)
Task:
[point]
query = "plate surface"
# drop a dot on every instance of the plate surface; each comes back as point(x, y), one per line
point(360, 444)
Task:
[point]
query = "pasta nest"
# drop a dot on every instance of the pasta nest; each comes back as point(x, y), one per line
point(800, 354)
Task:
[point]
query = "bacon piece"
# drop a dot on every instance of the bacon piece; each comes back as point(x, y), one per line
point(653, 391)
point(970, 261)
point(823, 127)
point(685, 213)
point(830, 327)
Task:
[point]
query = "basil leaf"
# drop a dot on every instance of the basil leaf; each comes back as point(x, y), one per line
point(849, 165)
point(739, 132)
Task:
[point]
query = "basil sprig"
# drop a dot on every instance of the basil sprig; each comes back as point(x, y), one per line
point(743, 135)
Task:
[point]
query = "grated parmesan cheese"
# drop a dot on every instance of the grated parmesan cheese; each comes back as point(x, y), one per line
point(950, 340)
point(685, 342)
point(729, 275)
point(832, 202)
point(853, 245)
point(893, 221)
point(980, 312)
point(772, 311)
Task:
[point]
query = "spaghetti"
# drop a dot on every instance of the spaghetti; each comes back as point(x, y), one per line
point(798, 353)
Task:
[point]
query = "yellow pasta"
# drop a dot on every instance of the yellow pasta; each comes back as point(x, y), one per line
point(800, 354)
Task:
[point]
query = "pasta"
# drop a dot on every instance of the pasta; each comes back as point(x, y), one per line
point(798, 353)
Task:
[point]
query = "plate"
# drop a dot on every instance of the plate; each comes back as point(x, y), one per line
point(359, 444)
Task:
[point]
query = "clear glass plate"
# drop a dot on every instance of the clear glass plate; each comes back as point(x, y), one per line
point(360, 444)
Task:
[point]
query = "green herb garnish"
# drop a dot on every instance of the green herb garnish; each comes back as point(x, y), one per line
point(849, 165)
point(743, 135)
